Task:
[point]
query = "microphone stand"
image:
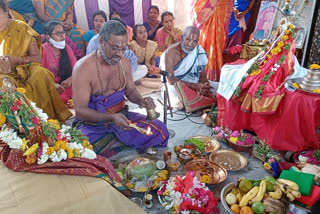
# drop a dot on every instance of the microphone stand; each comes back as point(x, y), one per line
point(166, 103)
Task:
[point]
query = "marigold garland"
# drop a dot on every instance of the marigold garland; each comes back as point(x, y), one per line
point(295, 85)
point(2, 119)
point(314, 66)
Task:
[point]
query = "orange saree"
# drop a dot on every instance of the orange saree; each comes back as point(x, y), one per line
point(212, 18)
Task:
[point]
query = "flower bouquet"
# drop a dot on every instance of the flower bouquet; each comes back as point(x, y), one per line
point(221, 133)
point(27, 128)
point(186, 194)
point(240, 141)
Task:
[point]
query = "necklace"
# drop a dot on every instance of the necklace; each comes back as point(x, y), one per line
point(98, 71)
point(100, 81)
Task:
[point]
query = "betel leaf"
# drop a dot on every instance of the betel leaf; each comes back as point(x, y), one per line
point(198, 143)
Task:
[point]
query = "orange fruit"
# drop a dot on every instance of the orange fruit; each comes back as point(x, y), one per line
point(246, 210)
point(235, 208)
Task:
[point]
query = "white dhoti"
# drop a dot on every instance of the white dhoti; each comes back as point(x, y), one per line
point(140, 72)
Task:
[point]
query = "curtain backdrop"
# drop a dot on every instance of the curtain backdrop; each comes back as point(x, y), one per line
point(131, 11)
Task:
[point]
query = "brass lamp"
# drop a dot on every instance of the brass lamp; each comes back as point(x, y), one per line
point(152, 114)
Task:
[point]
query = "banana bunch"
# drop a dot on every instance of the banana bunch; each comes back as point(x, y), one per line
point(256, 194)
point(287, 187)
point(277, 193)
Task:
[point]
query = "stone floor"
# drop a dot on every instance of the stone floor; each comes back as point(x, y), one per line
point(185, 128)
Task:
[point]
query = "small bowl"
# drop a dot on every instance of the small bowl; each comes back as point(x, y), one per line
point(240, 148)
point(173, 166)
point(226, 189)
point(185, 155)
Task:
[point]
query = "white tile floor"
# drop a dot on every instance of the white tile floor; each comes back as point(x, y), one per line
point(184, 129)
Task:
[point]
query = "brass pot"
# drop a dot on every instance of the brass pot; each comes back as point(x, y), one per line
point(311, 81)
point(206, 118)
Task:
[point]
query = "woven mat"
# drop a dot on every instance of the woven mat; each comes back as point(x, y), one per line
point(149, 85)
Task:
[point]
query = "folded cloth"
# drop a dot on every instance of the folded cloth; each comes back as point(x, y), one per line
point(312, 198)
point(305, 181)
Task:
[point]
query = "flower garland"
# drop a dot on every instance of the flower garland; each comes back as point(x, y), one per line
point(314, 67)
point(278, 47)
point(187, 195)
point(46, 140)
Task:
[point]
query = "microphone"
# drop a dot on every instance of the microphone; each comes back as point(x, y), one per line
point(165, 73)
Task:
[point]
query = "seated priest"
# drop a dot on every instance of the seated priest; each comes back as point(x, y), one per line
point(138, 71)
point(185, 62)
point(100, 82)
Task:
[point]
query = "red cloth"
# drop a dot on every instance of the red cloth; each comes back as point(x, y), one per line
point(312, 198)
point(191, 99)
point(13, 159)
point(291, 127)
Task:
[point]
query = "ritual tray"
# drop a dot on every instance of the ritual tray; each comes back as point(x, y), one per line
point(141, 186)
point(202, 167)
point(212, 143)
point(229, 159)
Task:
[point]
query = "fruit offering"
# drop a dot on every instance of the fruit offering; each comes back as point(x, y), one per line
point(262, 196)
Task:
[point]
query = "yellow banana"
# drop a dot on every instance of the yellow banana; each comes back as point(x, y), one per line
point(290, 196)
point(292, 185)
point(250, 195)
point(295, 194)
point(262, 190)
point(283, 187)
point(277, 193)
point(239, 197)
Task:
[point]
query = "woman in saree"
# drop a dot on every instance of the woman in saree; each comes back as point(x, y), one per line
point(212, 18)
point(169, 33)
point(20, 61)
point(238, 20)
point(61, 10)
point(153, 23)
point(144, 49)
point(58, 57)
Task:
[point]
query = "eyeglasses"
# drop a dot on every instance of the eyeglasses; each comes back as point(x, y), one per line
point(116, 48)
point(61, 33)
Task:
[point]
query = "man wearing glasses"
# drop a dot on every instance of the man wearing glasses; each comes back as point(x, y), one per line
point(138, 71)
point(100, 81)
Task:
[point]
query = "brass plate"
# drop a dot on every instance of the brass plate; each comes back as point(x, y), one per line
point(201, 167)
point(229, 159)
point(214, 143)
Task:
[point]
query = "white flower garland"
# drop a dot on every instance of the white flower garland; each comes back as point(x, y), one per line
point(42, 116)
point(10, 137)
point(43, 157)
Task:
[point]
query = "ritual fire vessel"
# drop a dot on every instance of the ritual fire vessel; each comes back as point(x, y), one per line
point(311, 81)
